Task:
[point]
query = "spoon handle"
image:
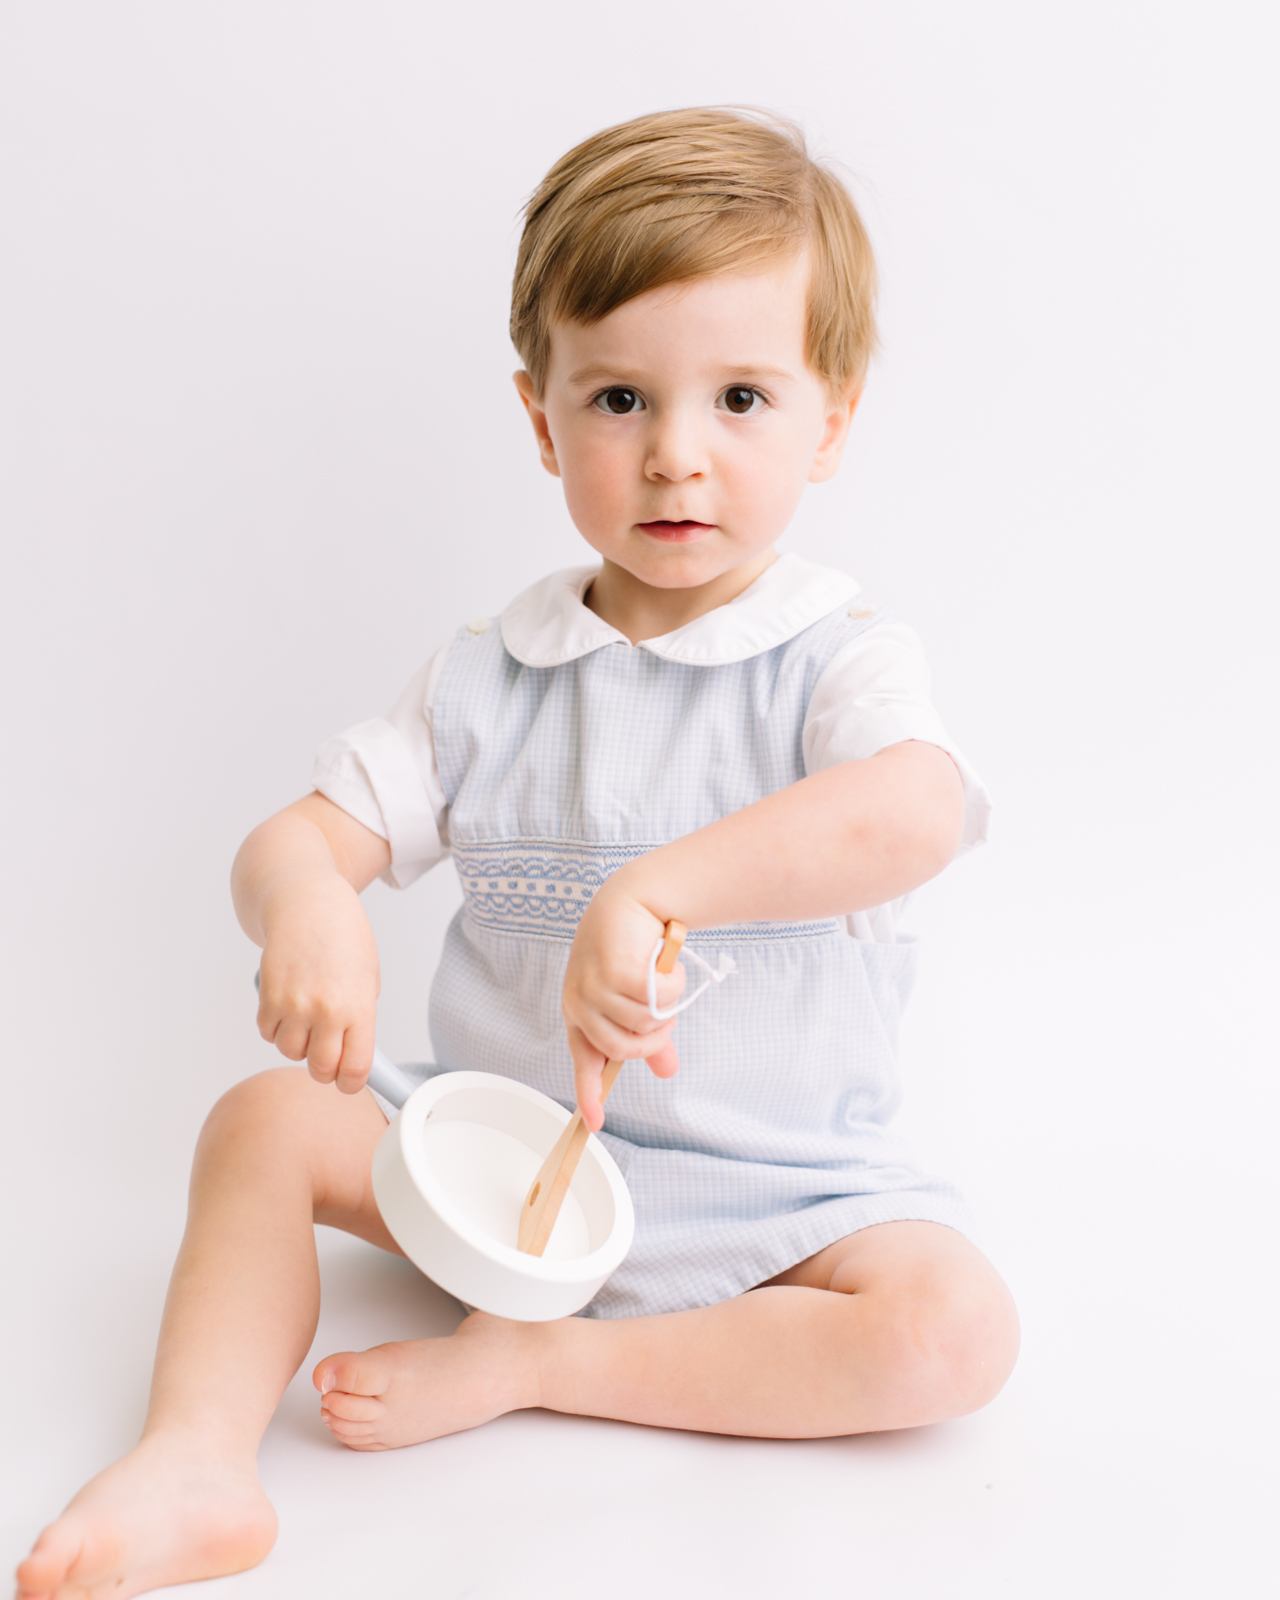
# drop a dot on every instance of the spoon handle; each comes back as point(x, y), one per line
point(547, 1191)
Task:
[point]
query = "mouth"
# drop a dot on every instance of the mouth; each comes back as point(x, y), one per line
point(675, 532)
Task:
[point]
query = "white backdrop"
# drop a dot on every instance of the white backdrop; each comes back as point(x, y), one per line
point(259, 452)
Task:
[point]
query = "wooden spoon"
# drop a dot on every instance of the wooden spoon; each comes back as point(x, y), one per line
point(547, 1191)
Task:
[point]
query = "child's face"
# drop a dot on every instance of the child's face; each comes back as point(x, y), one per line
point(685, 424)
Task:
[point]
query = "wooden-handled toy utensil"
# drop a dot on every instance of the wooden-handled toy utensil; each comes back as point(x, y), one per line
point(547, 1191)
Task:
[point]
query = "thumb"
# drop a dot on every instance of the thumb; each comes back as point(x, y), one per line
point(664, 1063)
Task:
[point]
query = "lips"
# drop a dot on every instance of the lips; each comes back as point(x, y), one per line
point(675, 532)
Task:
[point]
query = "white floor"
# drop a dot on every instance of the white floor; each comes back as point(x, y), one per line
point(1129, 1455)
point(1062, 1488)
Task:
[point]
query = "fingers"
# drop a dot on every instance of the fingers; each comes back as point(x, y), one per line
point(628, 992)
point(290, 1035)
point(606, 996)
point(616, 1027)
point(319, 981)
point(324, 1053)
point(611, 1043)
point(356, 1058)
point(627, 1020)
point(671, 987)
point(335, 1049)
point(631, 1012)
point(588, 1065)
point(621, 1027)
point(589, 1060)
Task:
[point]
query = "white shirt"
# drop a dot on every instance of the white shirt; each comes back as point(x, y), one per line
point(874, 692)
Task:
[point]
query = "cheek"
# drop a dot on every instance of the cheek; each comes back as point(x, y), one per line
point(594, 473)
point(770, 472)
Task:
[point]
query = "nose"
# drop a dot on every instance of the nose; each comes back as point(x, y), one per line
point(677, 447)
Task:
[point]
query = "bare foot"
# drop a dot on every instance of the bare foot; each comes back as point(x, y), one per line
point(397, 1394)
point(168, 1512)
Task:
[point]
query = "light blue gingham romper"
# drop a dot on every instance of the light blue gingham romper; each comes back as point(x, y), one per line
point(772, 1141)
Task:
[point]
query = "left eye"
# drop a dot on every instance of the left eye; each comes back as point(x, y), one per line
point(741, 401)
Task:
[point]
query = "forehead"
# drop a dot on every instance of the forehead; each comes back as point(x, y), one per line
point(739, 320)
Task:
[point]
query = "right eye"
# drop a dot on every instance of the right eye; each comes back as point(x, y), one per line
point(618, 402)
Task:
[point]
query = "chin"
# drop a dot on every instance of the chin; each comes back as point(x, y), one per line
point(689, 573)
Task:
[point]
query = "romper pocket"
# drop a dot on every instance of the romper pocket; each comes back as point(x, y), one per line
point(891, 975)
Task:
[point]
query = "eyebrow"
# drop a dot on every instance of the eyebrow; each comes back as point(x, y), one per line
point(619, 375)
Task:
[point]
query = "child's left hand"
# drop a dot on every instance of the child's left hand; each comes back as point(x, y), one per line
point(606, 1000)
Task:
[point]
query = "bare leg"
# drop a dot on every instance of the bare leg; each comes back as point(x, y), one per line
point(278, 1153)
point(898, 1325)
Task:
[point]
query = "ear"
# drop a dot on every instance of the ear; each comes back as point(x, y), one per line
point(835, 431)
point(538, 416)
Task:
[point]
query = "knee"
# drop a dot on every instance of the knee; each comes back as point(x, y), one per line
point(943, 1341)
point(957, 1342)
point(257, 1108)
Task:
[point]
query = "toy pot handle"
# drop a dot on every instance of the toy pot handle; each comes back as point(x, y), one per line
point(388, 1080)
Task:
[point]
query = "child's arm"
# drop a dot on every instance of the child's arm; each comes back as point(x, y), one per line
point(855, 836)
point(296, 883)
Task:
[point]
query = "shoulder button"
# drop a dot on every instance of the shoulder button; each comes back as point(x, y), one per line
point(863, 611)
point(480, 625)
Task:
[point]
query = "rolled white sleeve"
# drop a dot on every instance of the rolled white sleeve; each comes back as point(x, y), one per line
point(876, 692)
point(385, 774)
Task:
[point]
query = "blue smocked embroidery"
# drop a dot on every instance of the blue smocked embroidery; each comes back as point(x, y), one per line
point(543, 886)
point(539, 886)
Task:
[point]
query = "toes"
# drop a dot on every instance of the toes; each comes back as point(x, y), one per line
point(355, 1435)
point(334, 1372)
point(343, 1429)
point(364, 1446)
point(50, 1560)
point(364, 1374)
point(353, 1407)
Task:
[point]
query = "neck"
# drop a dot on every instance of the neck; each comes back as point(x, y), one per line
point(641, 611)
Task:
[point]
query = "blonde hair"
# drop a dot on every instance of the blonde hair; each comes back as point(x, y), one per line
point(680, 195)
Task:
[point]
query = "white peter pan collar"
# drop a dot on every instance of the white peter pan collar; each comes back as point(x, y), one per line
point(548, 624)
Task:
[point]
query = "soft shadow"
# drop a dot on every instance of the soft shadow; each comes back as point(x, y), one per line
point(381, 1294)
point(367, 1297)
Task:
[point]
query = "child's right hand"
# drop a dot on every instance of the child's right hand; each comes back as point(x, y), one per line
point(296, 884)
point(319, 986)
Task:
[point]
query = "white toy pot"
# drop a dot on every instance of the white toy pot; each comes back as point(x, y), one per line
point(450, 1175)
